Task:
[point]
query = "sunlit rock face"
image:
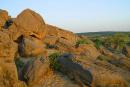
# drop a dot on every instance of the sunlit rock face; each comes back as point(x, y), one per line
point(8, 70)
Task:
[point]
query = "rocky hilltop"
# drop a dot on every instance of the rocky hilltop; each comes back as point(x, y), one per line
point(36, 54)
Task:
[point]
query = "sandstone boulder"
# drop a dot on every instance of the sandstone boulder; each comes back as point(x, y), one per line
point(87, 50)
point(28, 23)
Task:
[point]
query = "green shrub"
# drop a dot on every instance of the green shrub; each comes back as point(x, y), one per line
point(98, 43)
point(19, 63)
point(53, 61)
point(82, 41)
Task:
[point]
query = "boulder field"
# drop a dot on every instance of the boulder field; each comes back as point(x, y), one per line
point(26, 42)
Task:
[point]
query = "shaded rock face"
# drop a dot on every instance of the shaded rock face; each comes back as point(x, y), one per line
point(35, 70)
point(75, 71)
point(28, 23)
point(8, 23)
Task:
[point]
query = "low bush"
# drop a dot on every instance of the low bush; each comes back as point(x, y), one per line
point(98, 43)
point(53, 61)
point(82, 41)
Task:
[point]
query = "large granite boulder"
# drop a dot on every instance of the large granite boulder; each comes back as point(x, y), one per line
point(28, 23)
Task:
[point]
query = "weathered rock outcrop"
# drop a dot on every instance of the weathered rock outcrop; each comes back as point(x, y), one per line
point(61, 39)
point(3, 18)
point(60, 33)
point(28, 24)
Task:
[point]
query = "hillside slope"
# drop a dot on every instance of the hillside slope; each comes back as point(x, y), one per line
point(36, 54)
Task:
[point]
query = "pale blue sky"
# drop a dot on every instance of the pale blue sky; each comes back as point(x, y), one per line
point(77, 15)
